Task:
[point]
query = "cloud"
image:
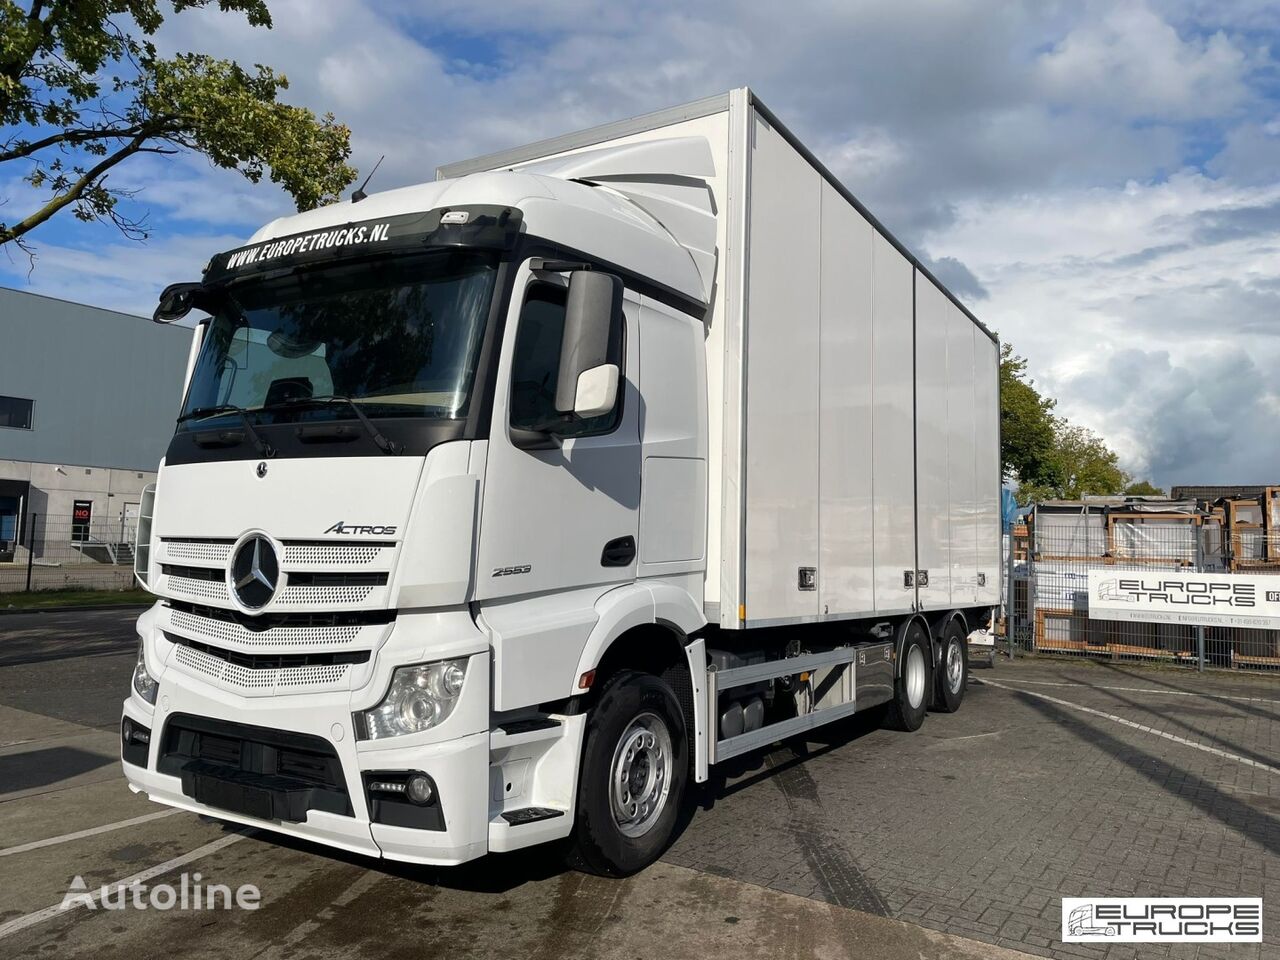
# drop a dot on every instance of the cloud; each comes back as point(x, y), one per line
point(1100, 181)
point(115, 273)
point(1131, 61)
point(1151, 313)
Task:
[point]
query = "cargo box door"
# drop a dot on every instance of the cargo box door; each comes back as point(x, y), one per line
point(933, 443)
point(893, 435)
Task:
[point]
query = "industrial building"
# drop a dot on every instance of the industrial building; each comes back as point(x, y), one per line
point(87, 405)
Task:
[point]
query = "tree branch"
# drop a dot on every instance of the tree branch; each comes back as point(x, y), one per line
point(73, 193)
point(68, 137)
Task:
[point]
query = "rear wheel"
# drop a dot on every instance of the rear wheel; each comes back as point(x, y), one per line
point(953, 670)
point(911, 691)
point(634, 768)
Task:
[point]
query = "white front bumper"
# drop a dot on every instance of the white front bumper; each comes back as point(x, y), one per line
point(455, 755)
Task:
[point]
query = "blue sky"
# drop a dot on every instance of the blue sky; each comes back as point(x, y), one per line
point(1100, 181)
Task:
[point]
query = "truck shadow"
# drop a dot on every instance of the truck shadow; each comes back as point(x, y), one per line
point(744, 772)
point(499, 873)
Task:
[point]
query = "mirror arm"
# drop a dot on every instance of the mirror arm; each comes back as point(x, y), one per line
point(557, 266)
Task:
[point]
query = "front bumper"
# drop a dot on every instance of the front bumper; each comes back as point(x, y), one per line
point(455, 755)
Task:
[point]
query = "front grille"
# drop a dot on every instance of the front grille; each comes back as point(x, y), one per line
point(272, 621)
point(263, 674)
point(305, 579)
point(313, 573)
point(193, 573)
point(231, 632)
point(322, 596)
point(198, 551)
point(318, 553)
point(257, 771)
point(273, 661)
point(200, 589)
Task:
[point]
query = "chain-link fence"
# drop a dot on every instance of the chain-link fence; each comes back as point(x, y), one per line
point(60, 554)
point(1049, 559)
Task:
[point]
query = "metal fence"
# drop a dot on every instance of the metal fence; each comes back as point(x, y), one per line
point(1047, 610)
point(61, 554)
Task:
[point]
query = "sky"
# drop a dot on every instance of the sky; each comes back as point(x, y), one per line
point(1099, 182)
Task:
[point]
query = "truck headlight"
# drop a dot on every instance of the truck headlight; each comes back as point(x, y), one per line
point(419, 698)
point(143, 682)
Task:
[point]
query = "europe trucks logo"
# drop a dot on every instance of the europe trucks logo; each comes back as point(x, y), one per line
point(1162, 919)
point(1184, 591)
point(306, 242)
point(354, 529)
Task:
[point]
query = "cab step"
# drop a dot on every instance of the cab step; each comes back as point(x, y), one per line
point(524, 815)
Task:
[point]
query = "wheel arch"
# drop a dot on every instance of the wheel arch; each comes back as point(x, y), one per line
point(900, 642)
point(641, 626)
point(648, 627)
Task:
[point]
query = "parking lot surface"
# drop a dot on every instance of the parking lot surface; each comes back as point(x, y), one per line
point(1055, 779)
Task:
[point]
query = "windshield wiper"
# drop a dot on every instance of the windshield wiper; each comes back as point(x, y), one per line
point(264, 448)
point(385, 445)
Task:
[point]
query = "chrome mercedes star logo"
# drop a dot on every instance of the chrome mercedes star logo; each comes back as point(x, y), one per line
point(255, 572)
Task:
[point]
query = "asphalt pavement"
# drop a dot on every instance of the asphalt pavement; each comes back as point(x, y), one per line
point(1055, 779)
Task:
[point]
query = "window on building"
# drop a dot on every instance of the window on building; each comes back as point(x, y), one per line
point(16, 413)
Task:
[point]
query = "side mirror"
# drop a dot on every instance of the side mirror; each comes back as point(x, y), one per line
point(587, 385)
point(175, 302)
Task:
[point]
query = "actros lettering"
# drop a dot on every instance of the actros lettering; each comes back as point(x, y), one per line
point(354, 529)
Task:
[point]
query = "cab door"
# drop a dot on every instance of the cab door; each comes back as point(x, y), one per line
point(562, 515)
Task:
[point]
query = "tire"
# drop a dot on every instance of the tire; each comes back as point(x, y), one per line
point(635, 755)
point(952, 675)
point(911, 689)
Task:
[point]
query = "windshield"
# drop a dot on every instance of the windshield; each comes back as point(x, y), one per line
point(398, 337)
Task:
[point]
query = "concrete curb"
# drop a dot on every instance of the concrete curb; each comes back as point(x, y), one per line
point(87, 608)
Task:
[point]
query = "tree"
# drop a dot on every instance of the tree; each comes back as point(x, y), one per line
point(1082, 464)
point(1144, 488)
point(1026, 423)
point(80, 94)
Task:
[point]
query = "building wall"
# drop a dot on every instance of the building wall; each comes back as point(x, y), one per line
point(54, 488)
point(106, 385)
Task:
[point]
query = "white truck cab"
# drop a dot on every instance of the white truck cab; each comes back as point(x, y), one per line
point(500, 508)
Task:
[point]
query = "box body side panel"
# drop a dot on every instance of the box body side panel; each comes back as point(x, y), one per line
point(782, 383)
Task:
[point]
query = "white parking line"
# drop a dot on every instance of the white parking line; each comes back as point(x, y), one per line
point(1168, 693)
point(1136, 726)
point(31, 919)
point(91, 832)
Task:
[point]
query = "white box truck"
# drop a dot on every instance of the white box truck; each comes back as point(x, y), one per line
point(502, 507)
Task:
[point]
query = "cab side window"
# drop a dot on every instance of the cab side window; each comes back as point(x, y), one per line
point(537, 365)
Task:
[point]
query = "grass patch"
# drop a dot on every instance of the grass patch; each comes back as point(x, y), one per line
point(49, 599)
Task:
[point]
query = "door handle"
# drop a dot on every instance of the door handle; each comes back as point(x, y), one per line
point(619, 552)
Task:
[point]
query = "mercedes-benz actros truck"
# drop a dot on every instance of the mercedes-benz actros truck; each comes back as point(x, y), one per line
point(500, 509)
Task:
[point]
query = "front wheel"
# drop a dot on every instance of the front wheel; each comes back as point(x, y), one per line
point(634, 768)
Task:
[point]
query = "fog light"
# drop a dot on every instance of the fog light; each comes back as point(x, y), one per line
point(418, 789)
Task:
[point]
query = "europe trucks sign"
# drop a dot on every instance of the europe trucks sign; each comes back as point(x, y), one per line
point(1211, 599)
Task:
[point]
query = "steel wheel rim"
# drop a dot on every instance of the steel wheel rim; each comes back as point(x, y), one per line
point(955, 667)
point(640, 775)
point(915, 676)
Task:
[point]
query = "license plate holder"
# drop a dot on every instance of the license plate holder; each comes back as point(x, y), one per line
point(235, 797)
